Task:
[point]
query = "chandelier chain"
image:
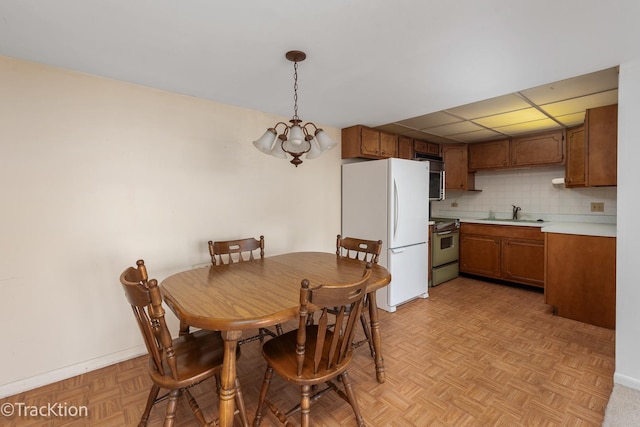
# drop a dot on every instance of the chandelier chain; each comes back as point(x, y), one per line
point(295, 91)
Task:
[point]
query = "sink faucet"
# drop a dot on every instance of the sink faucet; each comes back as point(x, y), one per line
point(516, 209)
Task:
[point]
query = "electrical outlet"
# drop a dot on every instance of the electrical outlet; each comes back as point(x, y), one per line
point(454, 204)
point(597, 206)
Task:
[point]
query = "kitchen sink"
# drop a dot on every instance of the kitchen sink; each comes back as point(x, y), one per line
point(512, 220)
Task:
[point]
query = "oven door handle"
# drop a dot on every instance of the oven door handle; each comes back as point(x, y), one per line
point(442, 233)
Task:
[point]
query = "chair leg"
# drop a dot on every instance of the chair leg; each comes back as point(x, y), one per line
point(242, 409)
point(263, 395)
point(153, 394)
point(279, 329)
point(305, 405)
point(172, 406)
point(197, 412)
point(367, 333)
point(346, 382)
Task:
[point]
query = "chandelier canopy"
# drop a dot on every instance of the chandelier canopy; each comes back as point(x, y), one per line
point(297, 138)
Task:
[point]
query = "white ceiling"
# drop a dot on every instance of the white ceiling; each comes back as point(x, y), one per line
point(371, 62)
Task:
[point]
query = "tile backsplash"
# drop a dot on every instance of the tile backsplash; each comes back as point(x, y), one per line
point(532, 190)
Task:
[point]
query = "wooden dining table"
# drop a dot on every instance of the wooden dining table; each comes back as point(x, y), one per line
point(233, 298)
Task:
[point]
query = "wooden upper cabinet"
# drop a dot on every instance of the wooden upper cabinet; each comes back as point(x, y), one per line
point(540, 149)
point(388, 145)
point(361, 141)
point(575, 172)
point(458, 176)
point(601, 136)
point(426, 147)
point(489, 155)
point(405, 147)
point(369, 142)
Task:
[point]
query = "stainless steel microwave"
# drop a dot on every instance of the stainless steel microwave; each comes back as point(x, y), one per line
point(436, 177)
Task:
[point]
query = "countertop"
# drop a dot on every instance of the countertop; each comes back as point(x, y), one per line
point(561, 227)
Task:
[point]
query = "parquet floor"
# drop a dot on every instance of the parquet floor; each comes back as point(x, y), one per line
point(472, 354)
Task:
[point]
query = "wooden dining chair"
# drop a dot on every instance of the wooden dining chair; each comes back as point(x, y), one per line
point(177, 364)
point(315, 354)
point(235, 250)
point(241, 250)
point(367, 251)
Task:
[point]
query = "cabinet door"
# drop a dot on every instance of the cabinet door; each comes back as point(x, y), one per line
point(575, 173)
point(581, 277)
point(480, 255)
point(456, 169)
point(388, 145)
point(405, 147)
point(523, 261)
point(540, 149)
point(421, 146)
point(602, 145)
point(369, 142)
point(426, 147)
point(489, 155)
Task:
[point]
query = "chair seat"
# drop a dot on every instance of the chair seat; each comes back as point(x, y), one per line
point(280, 354)
point(198, 355)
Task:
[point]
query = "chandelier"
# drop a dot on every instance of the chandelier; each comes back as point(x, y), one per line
point(297, 138)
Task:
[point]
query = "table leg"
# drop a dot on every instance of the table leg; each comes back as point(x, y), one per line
point(228, 377)
point(375, 335)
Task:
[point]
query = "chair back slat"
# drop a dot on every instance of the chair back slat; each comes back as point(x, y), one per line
point(146, 301)
point(360, 249)
point(231, 251)
point(331, 345)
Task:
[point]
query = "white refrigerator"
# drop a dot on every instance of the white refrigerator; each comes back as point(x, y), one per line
point(388, 200)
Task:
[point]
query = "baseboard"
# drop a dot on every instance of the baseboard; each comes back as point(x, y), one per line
point(626, 381)
point(70, 371)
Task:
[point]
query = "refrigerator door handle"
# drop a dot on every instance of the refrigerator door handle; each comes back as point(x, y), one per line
point(395, 208)
point(397, 250)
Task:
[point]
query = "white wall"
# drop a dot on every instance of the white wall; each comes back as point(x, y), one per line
point(531, 189)
point(95, 174)
point(628, 241)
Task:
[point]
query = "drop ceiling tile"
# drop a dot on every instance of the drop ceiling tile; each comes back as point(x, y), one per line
point(429, 120)
point(455, 128)
point(481, 135)
point(529, 127)
point(511, 118)
point(600, 81)
point(490, 107)
point(571, 119)
point(582, 103)
point(394, 128)
point(431, 138)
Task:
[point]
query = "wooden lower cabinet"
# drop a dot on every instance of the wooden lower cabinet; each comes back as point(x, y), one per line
point(580, 280)
point(511, 253)
point(480, 255)
point(523, 261)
